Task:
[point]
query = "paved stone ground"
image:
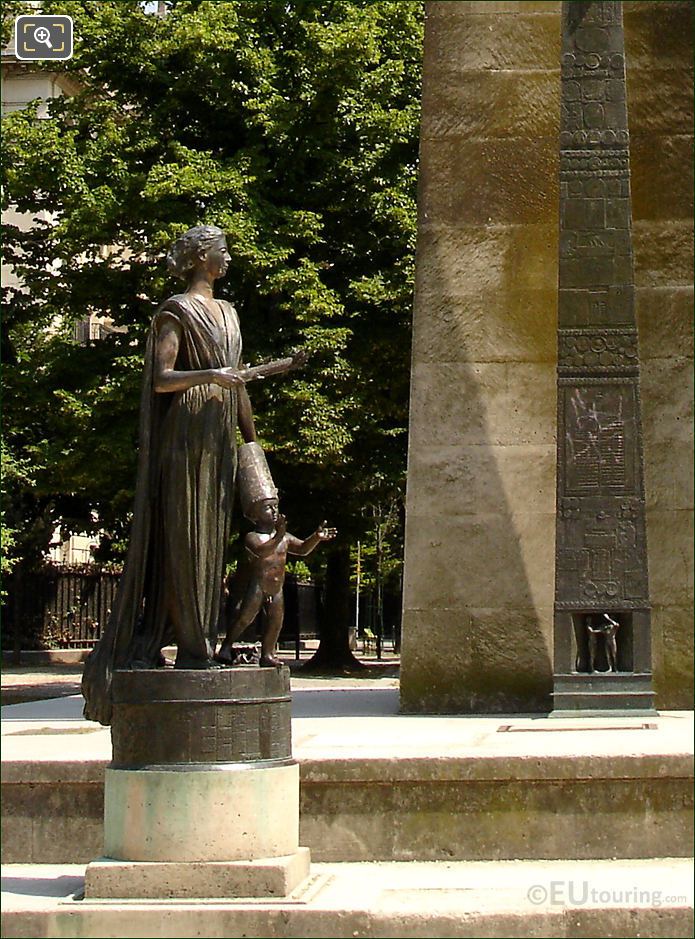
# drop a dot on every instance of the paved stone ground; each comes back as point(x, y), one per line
point(651, 897)
point(35, 683)
point(21, 684)
point(453, 899)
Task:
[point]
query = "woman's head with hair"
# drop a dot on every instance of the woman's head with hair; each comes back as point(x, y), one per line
point(190, 248)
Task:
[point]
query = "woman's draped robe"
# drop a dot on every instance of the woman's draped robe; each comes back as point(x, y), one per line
point(171, 585)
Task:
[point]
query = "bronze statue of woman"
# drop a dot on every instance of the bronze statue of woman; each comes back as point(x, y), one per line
point(193, 399)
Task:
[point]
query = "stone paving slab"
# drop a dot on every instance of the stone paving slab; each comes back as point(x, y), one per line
point(334, 724)
point(446, 899)
point(26, 683)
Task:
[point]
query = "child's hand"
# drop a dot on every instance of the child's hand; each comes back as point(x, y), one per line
point(326, 534)
point(281, 525)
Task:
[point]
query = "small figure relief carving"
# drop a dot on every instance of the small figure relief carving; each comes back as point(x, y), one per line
point(602, 631)
point(604, 13)
point(261, 579)
point(570, 508)
point(626, 535)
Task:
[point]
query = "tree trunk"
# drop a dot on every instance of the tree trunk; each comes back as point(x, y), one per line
point(334, 653)
point(17, 614)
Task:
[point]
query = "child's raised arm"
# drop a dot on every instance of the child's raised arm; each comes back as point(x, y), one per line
point(302, 548)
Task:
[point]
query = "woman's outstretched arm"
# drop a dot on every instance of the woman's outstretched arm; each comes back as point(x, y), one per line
point(167, 379)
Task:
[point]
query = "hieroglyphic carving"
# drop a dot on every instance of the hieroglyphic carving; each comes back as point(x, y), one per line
point(600, 542)
point(595, 421)
point(197, 723)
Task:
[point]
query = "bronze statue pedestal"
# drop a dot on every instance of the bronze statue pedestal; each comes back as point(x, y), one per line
point(202, 796)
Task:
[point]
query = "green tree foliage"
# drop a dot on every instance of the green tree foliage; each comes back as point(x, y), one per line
point(291, 125)
point(16, 478)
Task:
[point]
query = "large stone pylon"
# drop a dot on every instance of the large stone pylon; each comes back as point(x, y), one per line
point(479, 573)
point(602, 659)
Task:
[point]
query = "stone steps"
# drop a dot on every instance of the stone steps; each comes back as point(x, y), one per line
point(376, 785)
point(361, 809)
point(575, 899)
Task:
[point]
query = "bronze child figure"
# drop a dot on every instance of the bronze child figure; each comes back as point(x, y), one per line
point(267, 547)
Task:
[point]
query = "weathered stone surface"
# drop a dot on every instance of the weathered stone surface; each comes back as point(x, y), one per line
point(665, 325)
point(496, 258)
point(511, 185)
point(400, 754)
point(483, 355)
point(494, 673)
point(658, 36)
point(492, 326)
point(662, 190)
point(670, 480)
point(53, 822)
point(457, 899)
point(668, 386)
point(491, 104)
point(671, 574)
point(491, 41)
point(496, 575)
point(672, 626)
point(663, 253)
point(476, 7)
point(464, 816)
point(661, 101)
point(426, 635)
point(489, 403)
point(506, 820)
point(526, 475)
point(232, 813)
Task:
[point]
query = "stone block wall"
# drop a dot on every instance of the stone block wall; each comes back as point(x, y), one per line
point(478, 590)
point(659, 58)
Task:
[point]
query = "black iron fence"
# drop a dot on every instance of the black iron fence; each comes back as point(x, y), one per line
point(66, 607)
point(57, 606)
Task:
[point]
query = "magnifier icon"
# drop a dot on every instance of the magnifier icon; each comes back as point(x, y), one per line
point(43, 35)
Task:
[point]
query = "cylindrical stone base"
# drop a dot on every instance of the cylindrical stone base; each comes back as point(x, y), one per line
point(202, 797)
point(227, 813)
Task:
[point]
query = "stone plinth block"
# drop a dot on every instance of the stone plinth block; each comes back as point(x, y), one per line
point(230, 813)
point(151, 880)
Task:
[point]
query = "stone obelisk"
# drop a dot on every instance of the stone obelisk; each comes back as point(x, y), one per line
point(602, 659)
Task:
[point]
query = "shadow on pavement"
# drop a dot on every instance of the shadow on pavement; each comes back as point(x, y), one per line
point(62, 886)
